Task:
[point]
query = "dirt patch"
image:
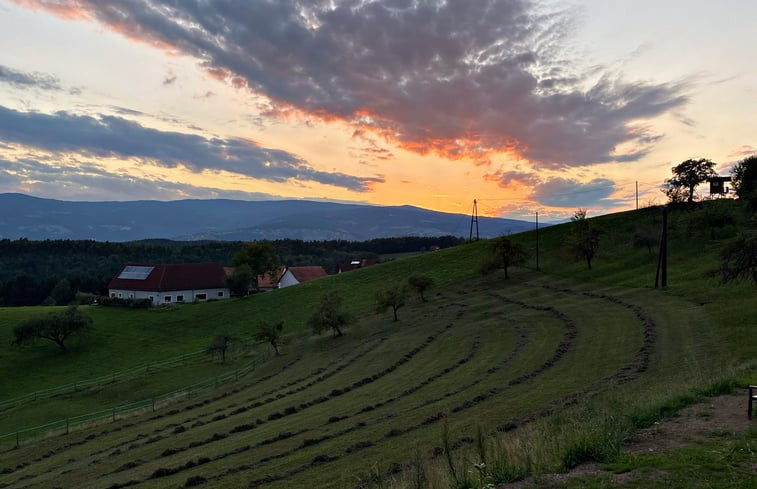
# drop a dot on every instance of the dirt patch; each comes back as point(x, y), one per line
point(696, 423)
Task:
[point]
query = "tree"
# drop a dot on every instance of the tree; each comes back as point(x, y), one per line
point(504, 253)
point(269, 332)
point(260, 256)
point(57, 327)
point(744, 177)
point(220, 344)
point(583, 238)
point(421, 283)
point(393, 297)
point(240, 281)
point(646, 236)
point(329, 315)
point(62, 293)
point(686, 176)
point(739, 260)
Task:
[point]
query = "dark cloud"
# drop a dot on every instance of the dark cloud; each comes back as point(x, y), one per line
point(83, 181)
point(565, 192)
point(28, 79)
point(459, 78)
point(112, 136)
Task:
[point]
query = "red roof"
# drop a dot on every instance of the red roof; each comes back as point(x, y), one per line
point(269, 279)
point(178, 276)
point(355, 264)
point(304, 274)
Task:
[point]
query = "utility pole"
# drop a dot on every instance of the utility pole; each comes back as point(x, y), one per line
point(473, 218)
point(637, 195)
point(537, 242)
point(662, 261)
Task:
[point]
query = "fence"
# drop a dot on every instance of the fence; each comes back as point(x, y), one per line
point(64, 426)
point(109, 378)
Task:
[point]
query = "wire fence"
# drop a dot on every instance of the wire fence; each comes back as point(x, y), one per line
point(65, 426)
point(148, 367)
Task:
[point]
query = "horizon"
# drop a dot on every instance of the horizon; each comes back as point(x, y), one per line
point(522, 105)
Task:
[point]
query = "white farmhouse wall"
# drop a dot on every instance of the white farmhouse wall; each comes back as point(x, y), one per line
point(287, 279)
point(171, 296)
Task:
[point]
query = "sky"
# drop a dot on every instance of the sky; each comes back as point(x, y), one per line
point(525, 106)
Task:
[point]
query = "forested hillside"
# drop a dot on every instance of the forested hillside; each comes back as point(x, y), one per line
point(33, 271)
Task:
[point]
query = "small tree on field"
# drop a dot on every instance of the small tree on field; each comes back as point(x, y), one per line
point(421, 283)
point(686, 176)
point(647, 237)
point(329, 315)
point(739, 260)
point(393, 297)
point(270, 332)
point(583, 238)
point(220, 345)
point(56, 327)
point(504, 253)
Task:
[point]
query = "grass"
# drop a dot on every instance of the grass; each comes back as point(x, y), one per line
point(539, 373)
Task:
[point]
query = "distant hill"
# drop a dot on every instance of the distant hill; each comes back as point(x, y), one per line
point(34, 218)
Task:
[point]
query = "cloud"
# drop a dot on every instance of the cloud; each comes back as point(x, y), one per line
point(458, 78)
point(570, 193)
point(112, 136)
point(22, 79)
point(87, 182)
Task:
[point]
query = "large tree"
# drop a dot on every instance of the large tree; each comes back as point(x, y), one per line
point(57, 327)
point(260, 256)
point(686, 176)
point(329, 315)
point(744, 176)
point(583, 238)
point(241, 280)
point(393, 297)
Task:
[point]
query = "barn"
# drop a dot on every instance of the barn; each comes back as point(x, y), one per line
point(170, 283)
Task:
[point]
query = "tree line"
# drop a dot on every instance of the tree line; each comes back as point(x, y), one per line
point(54, 271)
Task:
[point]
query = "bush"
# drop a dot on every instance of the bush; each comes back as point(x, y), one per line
point(131, 303)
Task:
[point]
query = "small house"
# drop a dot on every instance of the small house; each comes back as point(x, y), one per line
point(355, 264)
point(298, 275)
point(718, 185)
point(170, 283)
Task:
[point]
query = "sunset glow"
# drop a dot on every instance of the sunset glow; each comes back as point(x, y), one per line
point(524, 105)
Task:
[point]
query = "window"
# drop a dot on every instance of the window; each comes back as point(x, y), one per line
point(220, 294)
point(179, 298)
point(113, 295)
point(167, 298)
point(131, 296)
point(201, 297)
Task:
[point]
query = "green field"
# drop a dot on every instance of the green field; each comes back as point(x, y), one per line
point(524, 370)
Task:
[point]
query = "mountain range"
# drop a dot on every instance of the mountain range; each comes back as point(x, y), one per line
point(24, 216)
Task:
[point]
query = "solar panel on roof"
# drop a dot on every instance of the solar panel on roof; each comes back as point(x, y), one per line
point(135, 273)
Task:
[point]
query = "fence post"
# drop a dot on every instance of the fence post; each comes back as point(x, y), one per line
point(16, 438)
point(153, 404)
point(67, 426)
point(114, 414)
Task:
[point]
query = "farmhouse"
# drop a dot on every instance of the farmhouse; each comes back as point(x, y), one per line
point(170, 283)
point(297, 275)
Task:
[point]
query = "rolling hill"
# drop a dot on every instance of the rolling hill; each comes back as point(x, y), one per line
point(534, 374)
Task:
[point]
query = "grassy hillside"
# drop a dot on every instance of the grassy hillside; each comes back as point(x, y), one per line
point(543, 358)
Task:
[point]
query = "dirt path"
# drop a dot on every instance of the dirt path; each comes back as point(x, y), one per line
point(694, 424)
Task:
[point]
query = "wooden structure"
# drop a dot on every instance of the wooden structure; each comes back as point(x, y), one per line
point(718, 185)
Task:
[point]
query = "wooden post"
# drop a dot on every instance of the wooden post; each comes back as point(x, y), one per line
point(153, 404)
point(750, 404)
point(537, 242)
point(114, 414)
point(16, 438)
point(67, 426)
